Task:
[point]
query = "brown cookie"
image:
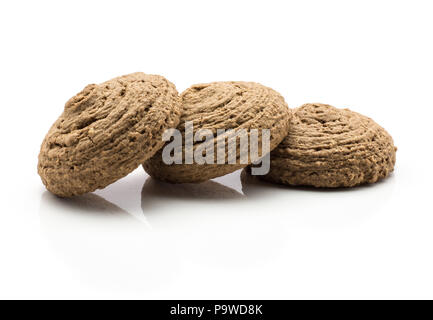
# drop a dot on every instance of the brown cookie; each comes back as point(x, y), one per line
point(330, 147)
point(223, 105)
point(106, 131)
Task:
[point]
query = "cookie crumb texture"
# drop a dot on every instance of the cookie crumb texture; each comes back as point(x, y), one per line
point(329, 147)
point(106, 131)
point(223, 105)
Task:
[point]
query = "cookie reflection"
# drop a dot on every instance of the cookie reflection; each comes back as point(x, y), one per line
point(209, 190)
point(86, 215)
point(89, 203)
point(168, 205)
point(253, 187)
point(97, 239)
point(343, 206)
point(199, 215)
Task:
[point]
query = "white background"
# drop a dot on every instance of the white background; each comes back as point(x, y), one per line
point(142, 239)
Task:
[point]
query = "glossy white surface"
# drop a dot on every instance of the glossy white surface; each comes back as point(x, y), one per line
point(231, 237)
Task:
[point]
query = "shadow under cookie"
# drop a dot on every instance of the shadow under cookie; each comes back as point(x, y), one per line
point(254, 186)
point(206, 191)
point(96, 239)
point(89, 203)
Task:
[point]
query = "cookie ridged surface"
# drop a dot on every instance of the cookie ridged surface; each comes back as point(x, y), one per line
point(330, 147)
point(223, 105)
point(106, 131)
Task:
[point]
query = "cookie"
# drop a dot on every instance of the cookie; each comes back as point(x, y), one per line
point(329, 147)
point(223, 106)
point(106, 131)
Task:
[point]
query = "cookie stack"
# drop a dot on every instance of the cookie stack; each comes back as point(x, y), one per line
point(108, 130)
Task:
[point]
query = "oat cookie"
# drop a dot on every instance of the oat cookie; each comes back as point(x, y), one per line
point(330, 147)
point(106, 131)
point(223, 105)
